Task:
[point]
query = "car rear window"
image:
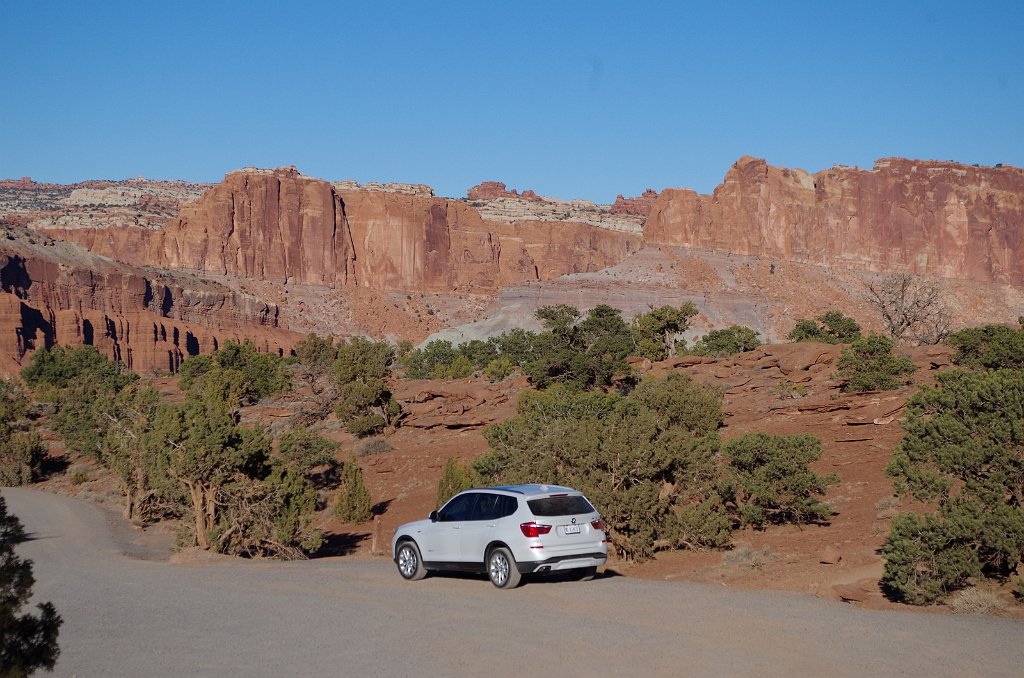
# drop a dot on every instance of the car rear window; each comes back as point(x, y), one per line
point(570, 505)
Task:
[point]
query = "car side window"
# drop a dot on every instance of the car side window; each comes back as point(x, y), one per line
point(494, 506)
point(459, 508)
point(486, 507)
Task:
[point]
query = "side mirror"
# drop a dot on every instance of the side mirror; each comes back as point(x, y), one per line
point(433, 516)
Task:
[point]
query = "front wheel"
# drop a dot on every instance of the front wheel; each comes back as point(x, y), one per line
point(501, 569)
point(408, 560)
point(586, 573)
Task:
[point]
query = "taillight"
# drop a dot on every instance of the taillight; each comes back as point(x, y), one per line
point(532, 529)
point(597, 524)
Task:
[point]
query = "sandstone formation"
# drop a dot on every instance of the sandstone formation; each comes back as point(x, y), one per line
point(640, 205)
point(491, 190)
point(282, 226)
point(928, 218)
point(53, 292)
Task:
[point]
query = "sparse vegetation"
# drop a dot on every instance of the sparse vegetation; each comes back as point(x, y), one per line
point(831, 327)
point(655, 332)
point(352, 503)
point(964, 451)
point(869, 365)
point(654, 463)
point(911, 308)
point(365, 404)
point(21, 451)
point(454, 479)
point(989, 347)
point(726, 342)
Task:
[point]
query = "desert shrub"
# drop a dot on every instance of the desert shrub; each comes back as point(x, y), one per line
point(975, 600)
point(316, 354)
point(365, 404)
point(239, 372)
point(963, 451)
point(768, 480)
point(459, 368)
point(581, 353)
point(989, 347)
point(478, 353)
point(454, 479)
point(305, 450)
point(27, 642)
point(831, 327)
point(64, 367)
point(374, 446)
point(869, 365)
point(499, 369)
point(911, 308)
point(21, 452)
point(517, 345)
point(420, 363)
point(725, 342)
point(654, 332)
point(78, 474)
point(352, 503)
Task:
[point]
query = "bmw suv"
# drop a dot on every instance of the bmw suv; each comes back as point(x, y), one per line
point(505, 532)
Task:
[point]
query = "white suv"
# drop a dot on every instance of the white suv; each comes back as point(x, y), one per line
point(506, 532)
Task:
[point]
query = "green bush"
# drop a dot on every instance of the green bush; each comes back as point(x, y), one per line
point(303, 450)
point(768, 480)
point(654, 332)
point(64, 367)
point(499, 369)
point(962, 450)
point(21, 452)
point(652, 463)
point(726, 342)
point(989, 347)
point(365, 404)
point(869, 365)
point(352, 504)
point(238, 372)
point(831, 327)
point(454, 479)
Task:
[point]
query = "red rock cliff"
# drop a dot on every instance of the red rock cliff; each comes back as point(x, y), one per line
point(929, 218)
point(53, 292)
point(282, 226)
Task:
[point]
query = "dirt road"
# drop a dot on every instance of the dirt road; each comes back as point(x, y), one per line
point(130, 617)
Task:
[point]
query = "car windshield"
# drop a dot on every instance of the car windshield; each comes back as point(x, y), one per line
point(565, 505)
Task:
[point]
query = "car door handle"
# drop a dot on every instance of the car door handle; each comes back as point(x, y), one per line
point(455, 527)
point(492, 525)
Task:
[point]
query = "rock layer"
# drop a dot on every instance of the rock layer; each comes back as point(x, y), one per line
point(282, 226)
point(54, 292)
point(929, 218)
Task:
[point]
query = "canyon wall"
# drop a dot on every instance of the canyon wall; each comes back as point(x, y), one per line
point(929, 218)
point(54, 292)
point(281, 226)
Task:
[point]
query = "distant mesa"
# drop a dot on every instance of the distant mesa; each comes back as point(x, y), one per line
point(493, 190)
point(639, 206)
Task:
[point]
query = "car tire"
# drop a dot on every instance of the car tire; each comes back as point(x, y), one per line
point(409, 563)
point(586, 573)
point(501, 568)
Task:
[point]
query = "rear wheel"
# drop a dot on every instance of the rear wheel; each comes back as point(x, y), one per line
point(501, 568)
point(586, 573)
point(408, 560)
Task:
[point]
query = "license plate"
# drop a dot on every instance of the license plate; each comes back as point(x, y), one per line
point(572, 529)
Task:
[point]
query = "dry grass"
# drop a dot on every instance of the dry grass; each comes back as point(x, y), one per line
point(975, 601)
point(888, 507)
point(747, 558)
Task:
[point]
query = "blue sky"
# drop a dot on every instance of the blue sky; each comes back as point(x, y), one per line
point(572, 99)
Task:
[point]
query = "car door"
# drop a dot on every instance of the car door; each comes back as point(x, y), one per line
point(477, 533)
point(442, 544)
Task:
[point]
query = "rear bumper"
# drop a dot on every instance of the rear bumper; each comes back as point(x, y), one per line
point(566, 562)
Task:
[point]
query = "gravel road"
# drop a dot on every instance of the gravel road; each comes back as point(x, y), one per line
point(130, 617)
